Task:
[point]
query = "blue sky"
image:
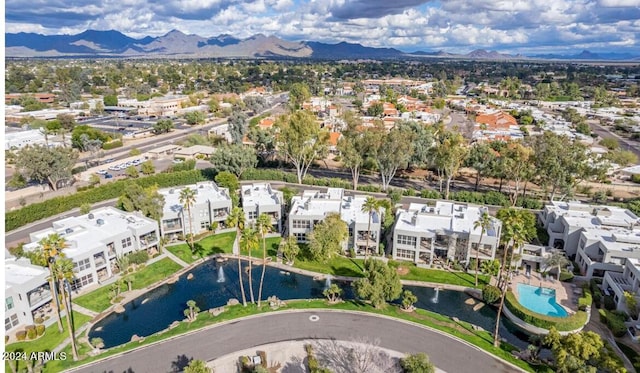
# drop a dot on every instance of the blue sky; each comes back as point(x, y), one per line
point(513, 26)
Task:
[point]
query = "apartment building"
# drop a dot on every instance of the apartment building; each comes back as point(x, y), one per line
point(95, 240)
point(313, 206)
point(427, 234)
point(26, 292)
point(212, 204)
point(260, 198)
point(616, 284)
point(598, 238)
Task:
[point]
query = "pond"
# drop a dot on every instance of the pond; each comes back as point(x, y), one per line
point(158, 308)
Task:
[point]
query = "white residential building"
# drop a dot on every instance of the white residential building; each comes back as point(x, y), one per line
point(26, 292)
point(597, 238)
point(260, 198)
point(424, 234)
point(95, 240)
point(212, 204)
point(616, 284)
point(313, 206)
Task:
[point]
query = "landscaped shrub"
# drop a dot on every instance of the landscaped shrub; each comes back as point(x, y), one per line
point(496, 199)
point(21, 335)
point(531, 203)
point(138, 257)
point(112, 145)
point(586, 299)
point(410, 192)
point(490, 294)
point(603, 316)
point(430, 194)
point(34, 212)
point(39, 329)
point(609, 303)
point(39, 320)
point(566, 276)
point(568, 323)
point(615, 322)
point(31, 333)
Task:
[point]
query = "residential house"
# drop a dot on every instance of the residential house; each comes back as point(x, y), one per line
point(616, 284)
point(260, 198)
point(427, 234)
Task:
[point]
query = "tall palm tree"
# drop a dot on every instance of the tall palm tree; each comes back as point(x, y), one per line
point(63, 273)
point(248, 242)
point(188, 199)
point(236, 219)
point(50, 248)
point(264, 226)
point(484, 222)
point(370, 206)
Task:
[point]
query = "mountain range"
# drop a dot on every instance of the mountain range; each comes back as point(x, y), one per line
point(112, 43)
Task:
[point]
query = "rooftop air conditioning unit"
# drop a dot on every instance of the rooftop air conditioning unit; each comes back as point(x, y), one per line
point(90, 216)
point(100, 222)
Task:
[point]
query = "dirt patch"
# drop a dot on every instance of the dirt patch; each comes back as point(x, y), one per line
point(402, 270)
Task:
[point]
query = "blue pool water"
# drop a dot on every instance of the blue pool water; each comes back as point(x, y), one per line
point(541, 300)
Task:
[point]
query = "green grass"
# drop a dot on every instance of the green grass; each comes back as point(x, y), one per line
point(272, 244)
point(51, 338)
point(462, 330)
point(221, 243)
point(439, 276)
point(339, 266)
point(100, 299)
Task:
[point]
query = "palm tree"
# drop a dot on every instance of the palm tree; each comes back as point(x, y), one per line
point(51, 247)
point(264, 226)
point(248, 242)
point(484, 222)
point(370, 206)
point(187, 199)
point(63, 273)
point(557, 260)
point(236, 219)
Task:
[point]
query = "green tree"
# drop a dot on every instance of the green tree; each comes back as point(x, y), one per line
point(380, 284)
point(132, 172)
point(481, 158)
point(289, 249)
point(64, 274)
point(49, 248)
point(163, 126)
point(195, 117)
point(575, 352)
point(423, 142)
point(557, 260)
point(450, 152)
point(94, 179)
point(85, 208)
point(187, 200)
point(491, 294)
point(146, 200)
point(298, 94)
point(197, 366)
point(235, 158)
point(632, 304)
point(484, 223)
point(354, 146)
point(230, 181)
point(518, 162)
point(327, 237)
point(333, 293)
point(147, 168)
point(408, 300)
point(248, 243)
point(192, 310)
point(301, 140)
point(417, 363)
point(264, 226)
point(238, 126)
point(622, 158)
point(392, 151)
point(110, 100)
point(236, 219)
point(46, 165)
point(375, 110)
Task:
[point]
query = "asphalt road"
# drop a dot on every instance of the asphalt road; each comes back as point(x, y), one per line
point(445, 352)
point(604, 132)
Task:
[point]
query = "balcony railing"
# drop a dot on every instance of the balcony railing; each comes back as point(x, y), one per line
point(37, 297)
point(100, 261)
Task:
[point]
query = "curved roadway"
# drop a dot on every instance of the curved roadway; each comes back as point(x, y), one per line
point(445, 352)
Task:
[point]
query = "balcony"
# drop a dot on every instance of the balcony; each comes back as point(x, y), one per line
point(172, 226)
point(99, 261)
point(39, 296)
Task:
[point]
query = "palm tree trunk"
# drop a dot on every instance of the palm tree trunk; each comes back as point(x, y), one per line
point(244, 298)
point(366, 249)
point(478, 256)
point(264, 267)
point(190, 227)
point(55, 302)
point(250, 276)
point(496, 336)
point(72, 336)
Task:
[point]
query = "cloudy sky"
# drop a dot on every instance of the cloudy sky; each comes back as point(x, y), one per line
point(515, 26)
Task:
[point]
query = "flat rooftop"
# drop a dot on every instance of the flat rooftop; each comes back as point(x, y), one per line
point(260, 194)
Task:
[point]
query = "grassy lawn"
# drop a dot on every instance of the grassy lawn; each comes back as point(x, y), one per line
point(462, 330)
point(272, 244)
point(100, 299)
point(340, 266)
point(214, 244)
point(439, 276)
point(51, 338)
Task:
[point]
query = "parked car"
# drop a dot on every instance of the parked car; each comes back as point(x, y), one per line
point(177, 161)
point(101, 172)
point(114, 168)
point(108, 176)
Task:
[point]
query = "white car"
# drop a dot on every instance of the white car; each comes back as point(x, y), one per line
point(177, 161)
point(101, 172)
point(114, 168)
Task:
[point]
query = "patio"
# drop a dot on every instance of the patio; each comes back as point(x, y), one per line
point(567, 293)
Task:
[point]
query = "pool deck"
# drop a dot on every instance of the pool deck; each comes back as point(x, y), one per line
point(567, 293)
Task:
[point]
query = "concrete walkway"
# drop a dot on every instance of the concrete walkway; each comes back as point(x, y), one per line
point(170, 255)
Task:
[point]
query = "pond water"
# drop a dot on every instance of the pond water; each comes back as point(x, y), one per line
point(158, 308)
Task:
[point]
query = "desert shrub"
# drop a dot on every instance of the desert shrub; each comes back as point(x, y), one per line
point(490, 294)
point(566, 276)
point(609, 303)
point(39, 329)
point(39, 320)
point(430, 194)
point(138, 257)
point(21, 335)
point(31, 333)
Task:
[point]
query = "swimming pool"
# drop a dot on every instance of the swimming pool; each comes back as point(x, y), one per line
point(540, 300)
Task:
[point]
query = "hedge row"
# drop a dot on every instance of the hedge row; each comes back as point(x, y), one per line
point(112, 145)
point(568, 323)
point(615, 321)
point(34, 212)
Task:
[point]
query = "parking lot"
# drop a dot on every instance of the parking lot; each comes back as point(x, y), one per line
point(126, 125)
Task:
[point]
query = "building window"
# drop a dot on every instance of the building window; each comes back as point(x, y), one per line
point(81, 265)
point(126, 242)
point(406, 240)
point(405, 254)
point(204, 213)
point(301, 237)
point(82, 281)
point(10, 322)
point(302, 224)
point(8, 304)
point(253, 215)
point(204, 224)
